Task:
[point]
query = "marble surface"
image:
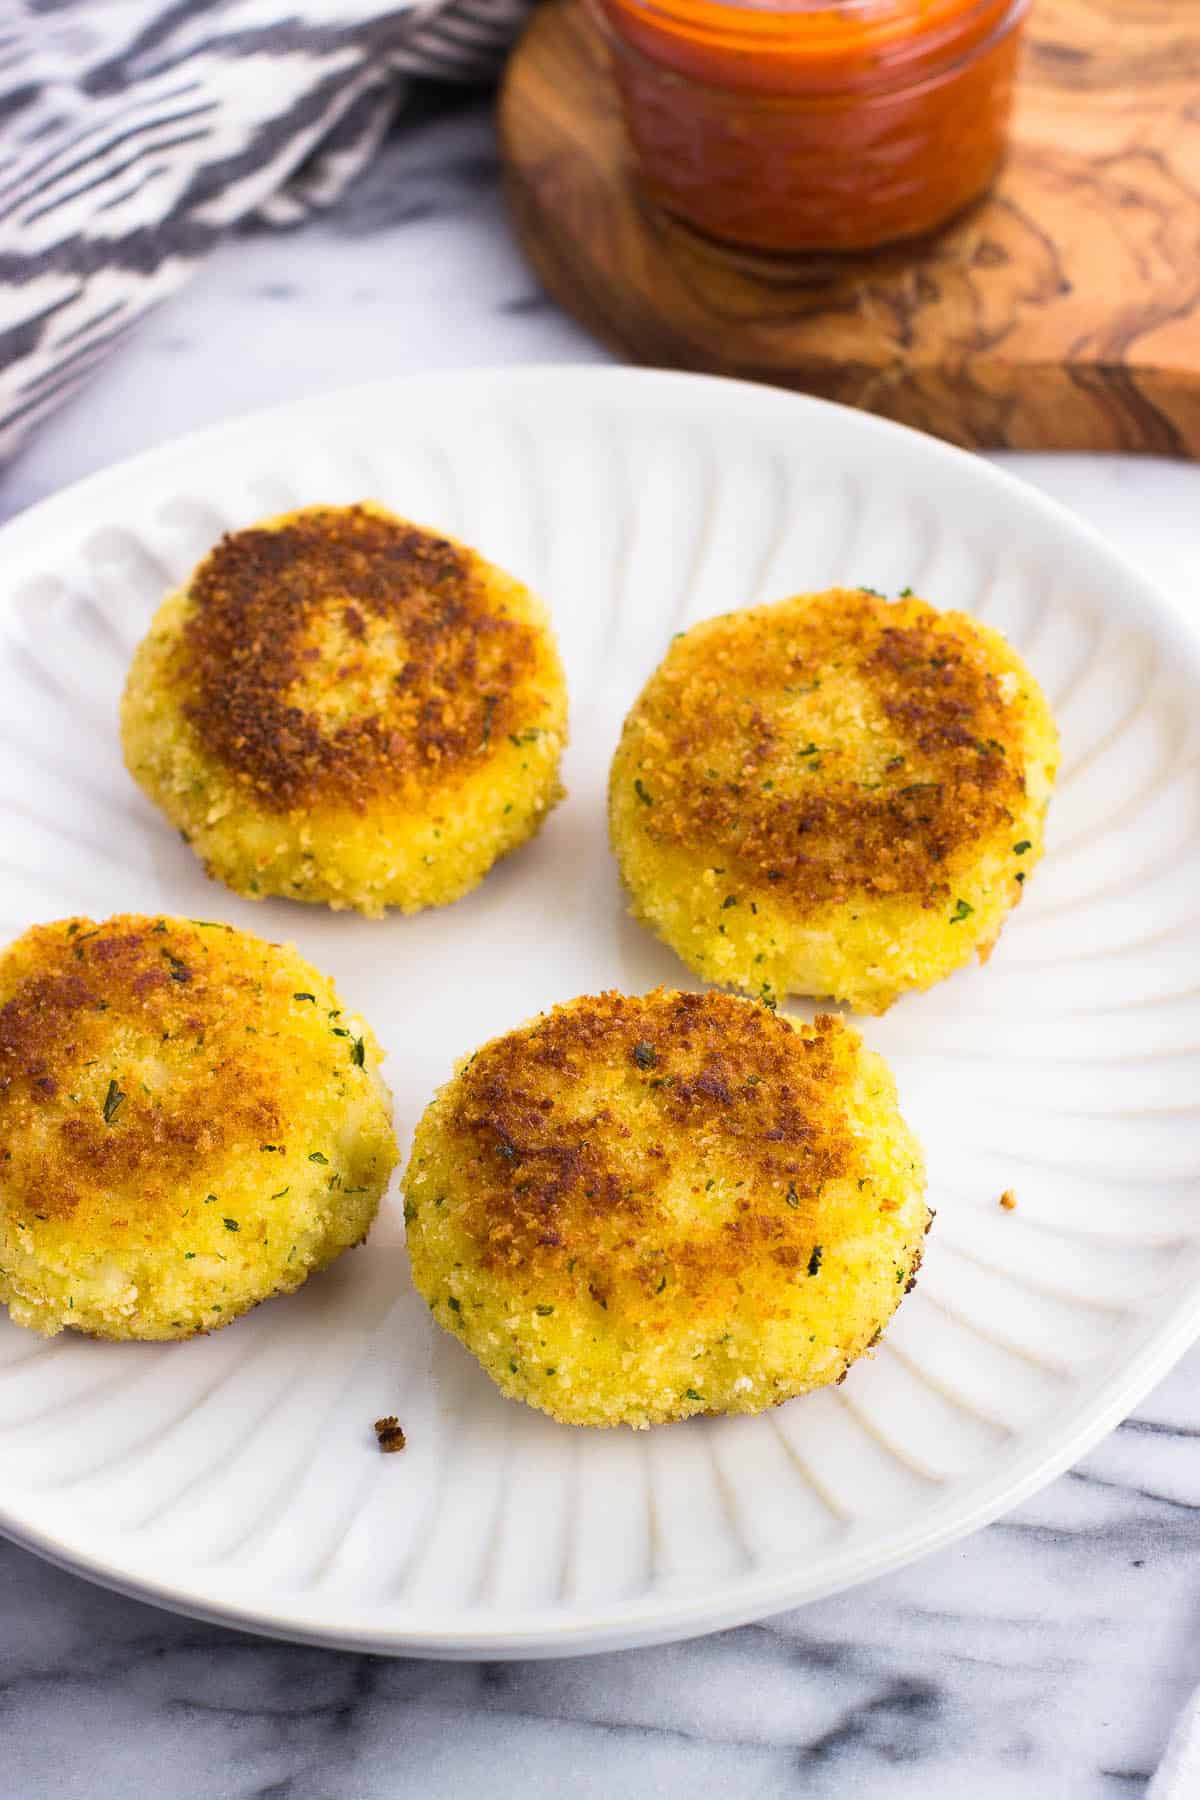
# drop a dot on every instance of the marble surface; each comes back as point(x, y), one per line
point(1043, 1659)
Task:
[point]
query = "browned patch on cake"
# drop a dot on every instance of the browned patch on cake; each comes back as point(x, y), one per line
point(87, 1011)
point(248, 641)
point(571, 1130)
point(835, 744)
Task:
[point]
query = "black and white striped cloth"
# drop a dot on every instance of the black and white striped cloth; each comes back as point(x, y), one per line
point(134, 134)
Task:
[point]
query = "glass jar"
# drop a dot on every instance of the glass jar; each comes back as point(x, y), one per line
point(792, 125)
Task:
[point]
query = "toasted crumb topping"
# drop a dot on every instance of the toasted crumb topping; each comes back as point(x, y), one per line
point(137, 1053)
point(835, 744)
point(97, 1009)
point(1008, 1200)
point(639, 1207)
point(346, 651)
point(576, 1127)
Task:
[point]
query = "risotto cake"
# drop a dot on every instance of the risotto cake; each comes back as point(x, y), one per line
point(189, 1123)
point(344, 708)
point(836, 795)
point(635, 1209)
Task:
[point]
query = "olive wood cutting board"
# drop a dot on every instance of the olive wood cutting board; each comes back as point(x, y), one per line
point(1061, 312)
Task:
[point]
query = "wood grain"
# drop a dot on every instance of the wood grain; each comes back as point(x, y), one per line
point(1061, 312)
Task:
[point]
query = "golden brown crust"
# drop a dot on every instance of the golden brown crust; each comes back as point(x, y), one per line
point(634, 1209)
point(928, 762)
point(189, 1122)
point(722, 1081)
point(90, 986)
point(90, 998)
point(353, 599)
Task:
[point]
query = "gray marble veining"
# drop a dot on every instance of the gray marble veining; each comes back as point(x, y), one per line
point(1043, 1659)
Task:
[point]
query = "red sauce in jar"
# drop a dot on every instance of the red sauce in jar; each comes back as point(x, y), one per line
point(810, 126)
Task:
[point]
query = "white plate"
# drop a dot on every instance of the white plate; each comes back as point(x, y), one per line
point(237, 1477)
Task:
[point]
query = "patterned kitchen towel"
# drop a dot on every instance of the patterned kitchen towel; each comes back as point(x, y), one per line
point(135, 134)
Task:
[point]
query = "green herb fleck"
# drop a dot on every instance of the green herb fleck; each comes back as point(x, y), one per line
point(641, 793)
point(357, 1053)
point(693, 1395)
point(728, 901)
point(316, 1156)
point(814, 1261)
point(311, 997)
point(792, 1197)
point(645, 1056)
point(278, 1196)
point(543, 1312)
point(1022, 847)
point(232, 1224)
point(453, 1304)
point(113, 1101)
point(961, 911)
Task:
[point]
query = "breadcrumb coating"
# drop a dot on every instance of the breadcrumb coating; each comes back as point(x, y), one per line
point(638, 1208)
point(837, 795)
point(343, 707)
point(189, 1123)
